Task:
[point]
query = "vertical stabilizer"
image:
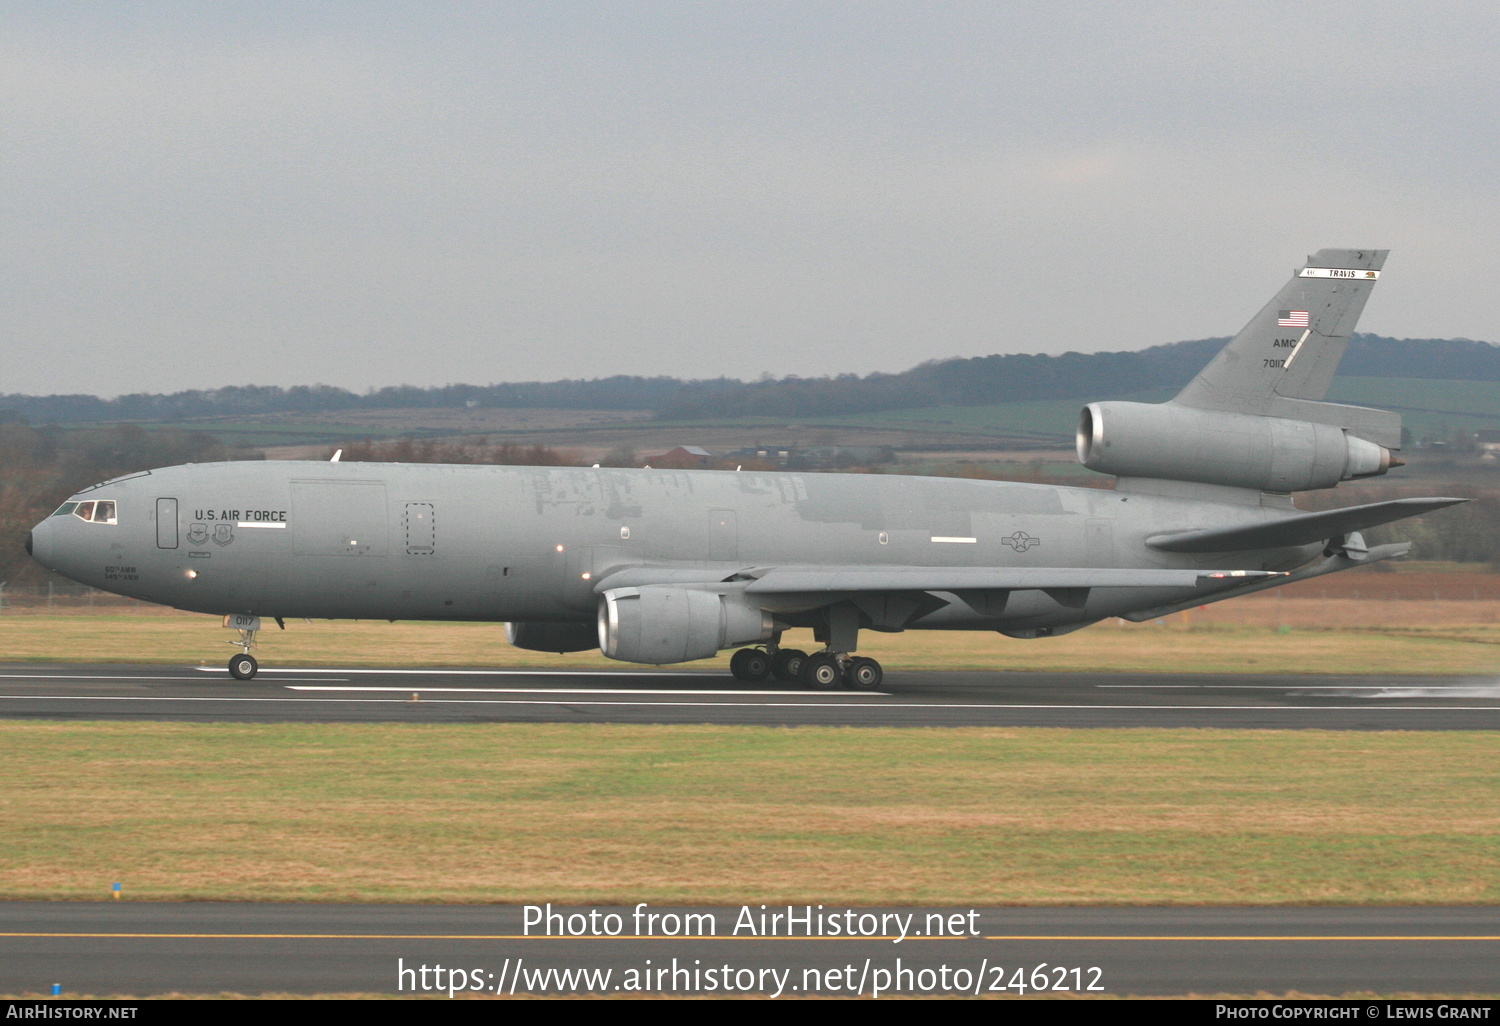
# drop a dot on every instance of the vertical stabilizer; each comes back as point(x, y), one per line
point(1281, 363)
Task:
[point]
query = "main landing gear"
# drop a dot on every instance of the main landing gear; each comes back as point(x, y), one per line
point(822, 671)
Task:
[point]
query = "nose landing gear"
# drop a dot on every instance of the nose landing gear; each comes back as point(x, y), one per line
point(243, 666)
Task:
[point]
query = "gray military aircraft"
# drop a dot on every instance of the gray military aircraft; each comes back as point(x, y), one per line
point(667, 566)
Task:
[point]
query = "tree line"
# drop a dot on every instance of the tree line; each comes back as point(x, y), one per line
point(40, 467)
point(973, 381)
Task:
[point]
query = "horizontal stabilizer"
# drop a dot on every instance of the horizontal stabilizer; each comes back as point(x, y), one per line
point(784, 580)
point(1302, 529)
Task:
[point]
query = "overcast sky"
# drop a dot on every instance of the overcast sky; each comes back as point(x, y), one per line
point(363, 194)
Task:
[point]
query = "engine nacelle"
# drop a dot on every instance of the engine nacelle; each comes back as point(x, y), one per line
point(552, 637)
point(665, 624)
point(1181, 443)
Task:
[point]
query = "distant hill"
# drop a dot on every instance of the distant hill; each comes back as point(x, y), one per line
point(976, 381)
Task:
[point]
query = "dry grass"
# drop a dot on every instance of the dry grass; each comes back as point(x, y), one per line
point(491, 813)
point(1251, 635)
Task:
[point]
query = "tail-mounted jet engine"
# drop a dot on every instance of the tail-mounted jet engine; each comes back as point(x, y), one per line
point(552, 637)
point(661, 624)
point(1181, 443)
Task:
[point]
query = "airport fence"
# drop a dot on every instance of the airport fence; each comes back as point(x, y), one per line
point(63, 597)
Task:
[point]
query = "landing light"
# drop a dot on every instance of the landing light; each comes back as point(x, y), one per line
point(192, 574)
point(559, 548)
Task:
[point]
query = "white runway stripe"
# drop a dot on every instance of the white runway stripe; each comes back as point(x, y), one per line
point(480, 673)
point(1326, 686)
point(131, 678)
point(877, 706)
point(570, 691)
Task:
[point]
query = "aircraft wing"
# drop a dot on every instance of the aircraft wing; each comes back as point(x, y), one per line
point(806, 579)
point(1303, 529)
point(931, 578)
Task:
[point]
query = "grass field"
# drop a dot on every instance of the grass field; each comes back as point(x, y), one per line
point(1254, 635)
point(596, 814)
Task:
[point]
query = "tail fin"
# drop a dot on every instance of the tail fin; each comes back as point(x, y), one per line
point(1281, 363)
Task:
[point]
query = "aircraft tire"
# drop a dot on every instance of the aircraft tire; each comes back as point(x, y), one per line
point(863, 674)
point(750, 664)
point(822, 672)
point(787, 665)
point(243, 667)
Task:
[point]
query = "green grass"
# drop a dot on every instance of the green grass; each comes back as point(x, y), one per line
point(1184, 644)
point(602, 814)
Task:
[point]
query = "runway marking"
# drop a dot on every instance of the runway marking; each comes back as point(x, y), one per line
point(882, 706)
point(1131, 938)
point(1302, 687)
point(569, 691)
point(482, 673)
point(36, 678)
point(72, 676)
point(1244, 937)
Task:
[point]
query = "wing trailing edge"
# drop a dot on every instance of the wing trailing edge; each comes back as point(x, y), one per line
point(802, 580)
point(781, 580)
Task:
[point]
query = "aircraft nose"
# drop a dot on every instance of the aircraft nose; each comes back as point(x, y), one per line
point(39, 544)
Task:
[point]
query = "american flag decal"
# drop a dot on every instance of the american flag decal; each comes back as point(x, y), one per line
point(1291, 319)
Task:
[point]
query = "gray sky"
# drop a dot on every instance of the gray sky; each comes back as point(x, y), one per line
point(363, 194)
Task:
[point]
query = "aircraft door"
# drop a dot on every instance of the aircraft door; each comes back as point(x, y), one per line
point(421, 529)
point(723, 535)
point(166, 523)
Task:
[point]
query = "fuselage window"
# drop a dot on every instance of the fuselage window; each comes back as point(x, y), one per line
point(98, 512)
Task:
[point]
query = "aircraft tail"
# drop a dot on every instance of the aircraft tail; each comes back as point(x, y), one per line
point(1281, 363)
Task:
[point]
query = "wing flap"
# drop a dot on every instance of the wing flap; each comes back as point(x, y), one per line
point(1302, 529)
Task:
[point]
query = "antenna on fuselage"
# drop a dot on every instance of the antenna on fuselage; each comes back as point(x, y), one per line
point(337, 453)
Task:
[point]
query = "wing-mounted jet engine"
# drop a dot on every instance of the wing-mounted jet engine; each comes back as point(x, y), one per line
point(663, 623)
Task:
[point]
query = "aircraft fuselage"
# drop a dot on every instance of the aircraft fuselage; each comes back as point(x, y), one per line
point(492, 543)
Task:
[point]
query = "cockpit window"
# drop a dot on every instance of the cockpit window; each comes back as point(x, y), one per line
point(100, 511)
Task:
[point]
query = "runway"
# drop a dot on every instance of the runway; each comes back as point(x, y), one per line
point(141, 949)
point(908, 698)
